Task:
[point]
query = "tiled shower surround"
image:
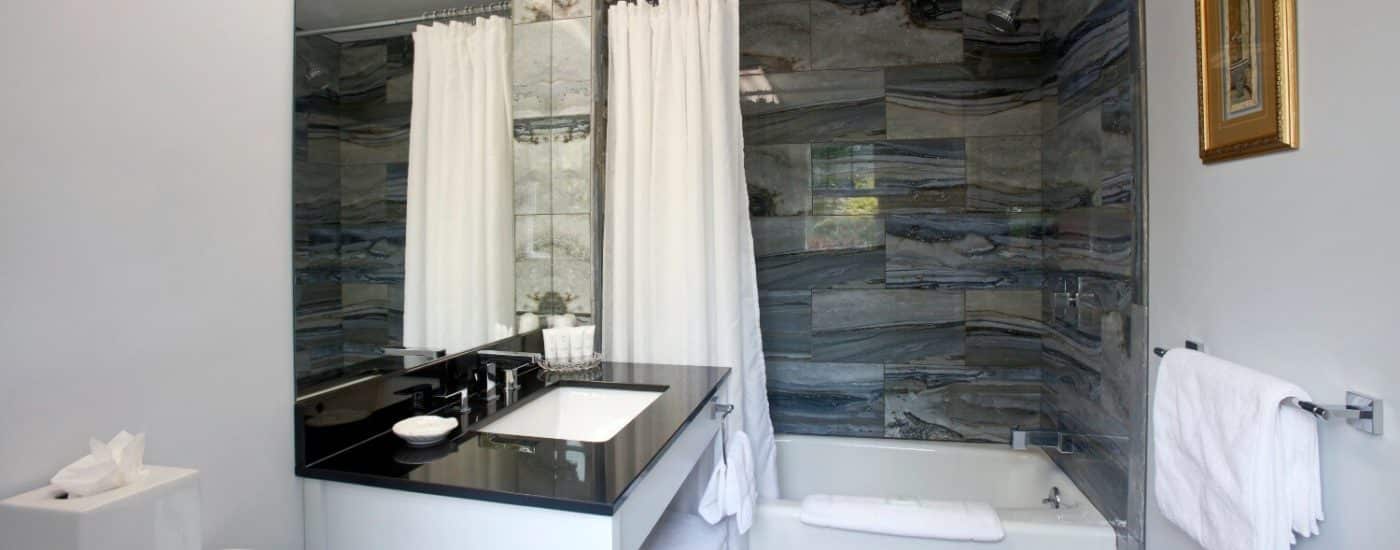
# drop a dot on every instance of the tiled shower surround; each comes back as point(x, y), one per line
point(1095, 369)
point(897, 212)
point(353, 106)
point(945, 220)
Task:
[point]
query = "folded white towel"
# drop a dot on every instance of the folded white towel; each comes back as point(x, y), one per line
point(1236, 469)
point(933, 519)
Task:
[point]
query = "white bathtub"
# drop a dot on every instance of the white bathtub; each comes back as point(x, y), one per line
point(1014, 482)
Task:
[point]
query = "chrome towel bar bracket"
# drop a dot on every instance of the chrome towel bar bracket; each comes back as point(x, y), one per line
point(1361, 411)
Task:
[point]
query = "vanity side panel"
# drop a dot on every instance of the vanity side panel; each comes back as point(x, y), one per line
point(652, 492)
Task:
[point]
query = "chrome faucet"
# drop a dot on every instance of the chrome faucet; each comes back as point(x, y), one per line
point(464, 396)
point(524, 357)
point(430, 353)
point(510, 365)
point(1063, 443)
point(1054, 499)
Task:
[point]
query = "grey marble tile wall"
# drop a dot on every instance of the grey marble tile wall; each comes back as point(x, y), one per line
point(376, 83)
point(1094, 371)
point(894, 178)
point(946, 223)
point(318, 321)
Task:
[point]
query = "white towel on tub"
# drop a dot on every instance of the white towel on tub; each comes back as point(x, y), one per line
point(931, 519)
point(1236, 468)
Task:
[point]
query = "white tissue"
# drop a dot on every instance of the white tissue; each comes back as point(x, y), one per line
point(110, 465)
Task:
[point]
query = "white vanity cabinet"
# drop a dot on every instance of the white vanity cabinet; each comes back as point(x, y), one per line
point(352, 516)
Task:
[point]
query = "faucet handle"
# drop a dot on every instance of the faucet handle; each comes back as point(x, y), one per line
point(464, 395)
point(513, 373)
point(419, 394)
point(430, 353)
point(488, 379)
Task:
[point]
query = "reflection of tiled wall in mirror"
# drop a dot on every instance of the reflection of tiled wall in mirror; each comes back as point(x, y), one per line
point(316, 202)
point(353, 106)
point(376, 92)
point(553, 101)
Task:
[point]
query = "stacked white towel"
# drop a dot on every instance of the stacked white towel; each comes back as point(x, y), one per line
point(732, 490)
point(933, 519)
point(1236, 467)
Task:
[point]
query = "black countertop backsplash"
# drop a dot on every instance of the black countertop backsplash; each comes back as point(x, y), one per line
point(344, 435)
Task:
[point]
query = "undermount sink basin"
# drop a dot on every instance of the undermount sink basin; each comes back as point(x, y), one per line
point(575, 414)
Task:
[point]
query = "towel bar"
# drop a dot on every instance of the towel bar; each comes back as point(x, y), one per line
point(1361, 411)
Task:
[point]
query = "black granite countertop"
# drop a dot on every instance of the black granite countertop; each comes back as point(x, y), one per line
point(566, 475)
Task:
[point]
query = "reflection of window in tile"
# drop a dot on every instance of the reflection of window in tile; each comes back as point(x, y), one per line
point(830, 166)
point(843, 166)
point(838, 232)
point(863, 166)
point(754, 86)
point(846, 206)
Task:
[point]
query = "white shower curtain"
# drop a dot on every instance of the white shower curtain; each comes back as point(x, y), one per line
point(459, 247)
point(679, 284)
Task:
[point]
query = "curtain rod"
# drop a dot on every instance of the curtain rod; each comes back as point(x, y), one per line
point(434, 15)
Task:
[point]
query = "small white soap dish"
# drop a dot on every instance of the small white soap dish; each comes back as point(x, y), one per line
point(424, 431)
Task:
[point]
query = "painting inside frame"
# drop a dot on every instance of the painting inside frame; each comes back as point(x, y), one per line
point(1248, 85)
point(1241, 42)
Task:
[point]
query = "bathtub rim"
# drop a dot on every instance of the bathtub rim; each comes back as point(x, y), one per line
point(1084, 515)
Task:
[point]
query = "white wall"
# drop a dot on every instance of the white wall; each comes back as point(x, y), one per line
point(145, 247)
point(1287, 262)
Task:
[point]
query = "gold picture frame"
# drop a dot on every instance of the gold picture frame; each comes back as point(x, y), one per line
point(1247, 77)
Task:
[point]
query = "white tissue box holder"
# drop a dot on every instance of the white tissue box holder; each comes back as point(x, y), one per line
point(160, 512)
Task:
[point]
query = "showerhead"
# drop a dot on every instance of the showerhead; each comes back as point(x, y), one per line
point(1004, 17)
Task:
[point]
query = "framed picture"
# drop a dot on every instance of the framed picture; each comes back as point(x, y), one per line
point(1246, 57)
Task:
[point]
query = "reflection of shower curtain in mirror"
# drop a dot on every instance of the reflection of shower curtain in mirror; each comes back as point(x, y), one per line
point(459, 264)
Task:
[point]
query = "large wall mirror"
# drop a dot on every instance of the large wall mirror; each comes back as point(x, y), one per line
point(444, 185)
